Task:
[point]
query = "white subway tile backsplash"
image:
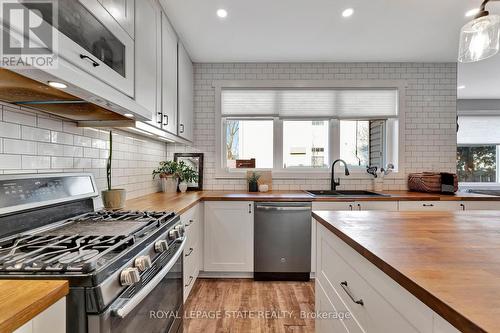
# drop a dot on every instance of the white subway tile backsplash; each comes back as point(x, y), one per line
point(10, 162)
point(50, 149)
point(63, 138)
point(82, 141)
point(91, 152)
point(35, 134)
point(9, 130)
point(50, 123)
point(61, 162)
point(12, 146)
point(16, 116)
point(36, 162)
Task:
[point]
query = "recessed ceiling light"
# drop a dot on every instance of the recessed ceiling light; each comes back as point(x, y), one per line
point(472, 12)
point(461, 87)
point(222, 13)
point(129, 115)
point(348, 12)
point(58, 85)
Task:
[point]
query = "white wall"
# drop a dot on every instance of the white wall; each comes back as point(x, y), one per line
point(34, 142)
point(430, 138)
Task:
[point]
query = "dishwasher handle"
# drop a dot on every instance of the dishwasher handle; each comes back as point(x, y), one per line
point(283, 208)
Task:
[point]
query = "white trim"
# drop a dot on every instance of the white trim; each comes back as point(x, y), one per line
point(334, 131)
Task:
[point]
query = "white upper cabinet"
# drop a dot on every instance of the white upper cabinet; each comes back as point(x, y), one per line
point(96, 43)
point(186, 86)
point(228, 236)
point(148, 58)
point(123, 12)
point(169, 76)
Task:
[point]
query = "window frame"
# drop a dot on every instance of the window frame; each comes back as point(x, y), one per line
point(334, 128)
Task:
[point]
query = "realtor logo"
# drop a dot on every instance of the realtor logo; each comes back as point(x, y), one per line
point(28, 37)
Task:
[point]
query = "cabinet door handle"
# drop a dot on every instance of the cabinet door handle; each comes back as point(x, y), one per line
point(350, 207)
point(190, 251)
point(249, 208)
point(190, 280)
point(159, 117)
point(428, 205)
point(92, 61)
point(349, 293)
point(359, 206)
point(190, 222)
point(165, 119)
point(462, 206)
point(181, 128)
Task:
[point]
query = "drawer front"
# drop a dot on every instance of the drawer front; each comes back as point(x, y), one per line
point(333, 206)
point(430, 206)
point(191, 268)
point(391, 206)
point(481, 205)
point(340, 280)
point(325, 307)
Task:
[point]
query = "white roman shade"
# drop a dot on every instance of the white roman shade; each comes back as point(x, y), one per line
point(478, 130)
point(310, 103)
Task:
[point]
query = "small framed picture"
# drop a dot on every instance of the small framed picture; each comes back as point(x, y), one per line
point(195, 161)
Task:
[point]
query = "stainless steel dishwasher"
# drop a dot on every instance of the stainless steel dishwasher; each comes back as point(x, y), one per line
point(282, 241)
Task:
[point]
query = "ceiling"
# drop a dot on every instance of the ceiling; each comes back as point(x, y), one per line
point(314, 30)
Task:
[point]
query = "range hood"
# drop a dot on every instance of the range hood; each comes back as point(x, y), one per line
point(91, 111)
point(23, 91)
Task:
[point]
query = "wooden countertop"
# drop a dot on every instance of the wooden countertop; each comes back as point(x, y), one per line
point(22, 300)
point(180, 203)
point(448, 260)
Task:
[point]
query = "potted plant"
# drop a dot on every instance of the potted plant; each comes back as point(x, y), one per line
point(168, 171)
point(112, 198)
point(186, 175)
point(253, 182)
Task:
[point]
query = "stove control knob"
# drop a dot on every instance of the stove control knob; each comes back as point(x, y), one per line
point(180, 229)
point(174, 234)
point(161, 246)
point(129, 276)
point(142, 262)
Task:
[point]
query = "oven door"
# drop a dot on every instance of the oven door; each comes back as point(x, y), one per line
point(155, 308)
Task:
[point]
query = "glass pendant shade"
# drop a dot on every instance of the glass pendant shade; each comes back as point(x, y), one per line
point(479, 39)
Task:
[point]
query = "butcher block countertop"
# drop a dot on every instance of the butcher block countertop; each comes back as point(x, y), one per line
point(22, 300)
point(448, 260)
point(180, 203)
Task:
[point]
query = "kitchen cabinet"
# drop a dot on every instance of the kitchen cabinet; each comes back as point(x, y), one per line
point(123, 12)
point(94, 42)
point(148, 58)
point(347, 282)
point(229, 236)
point(185, 93)
point(168, 76)
point(192, 260)
point(52, 320)
point(430, 206)
point(480, 205)
point(357, 205)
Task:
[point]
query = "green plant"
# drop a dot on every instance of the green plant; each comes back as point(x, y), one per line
point(186, 173)
point(253, 178)
point(167, 168)
point(110, 157)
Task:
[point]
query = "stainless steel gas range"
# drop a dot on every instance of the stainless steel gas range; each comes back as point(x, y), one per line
point(123, 267)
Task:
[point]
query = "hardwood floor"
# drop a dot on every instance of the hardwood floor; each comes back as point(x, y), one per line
point(248, 306)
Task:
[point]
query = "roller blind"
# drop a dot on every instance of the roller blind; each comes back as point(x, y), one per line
point(296, 103)
point(478, 130)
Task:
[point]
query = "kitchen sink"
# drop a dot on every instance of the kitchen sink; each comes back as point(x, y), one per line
point(347, 194)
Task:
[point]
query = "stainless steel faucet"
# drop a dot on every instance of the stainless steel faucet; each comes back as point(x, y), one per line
point(335, 183)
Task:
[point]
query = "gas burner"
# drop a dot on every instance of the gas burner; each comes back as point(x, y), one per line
point(60, 253)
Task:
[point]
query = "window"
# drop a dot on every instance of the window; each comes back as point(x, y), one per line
point(306, 129)
point(248, 143)
point(478, 147)
point(305, 144)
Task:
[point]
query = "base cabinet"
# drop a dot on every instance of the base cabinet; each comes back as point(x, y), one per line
point(192, 257)
point(228, 236)
point(348, 283)
point(52, 320)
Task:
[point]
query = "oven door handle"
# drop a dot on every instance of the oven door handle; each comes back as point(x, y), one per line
point(123, 309)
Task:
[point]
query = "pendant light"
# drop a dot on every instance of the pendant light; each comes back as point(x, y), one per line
point(480, 38)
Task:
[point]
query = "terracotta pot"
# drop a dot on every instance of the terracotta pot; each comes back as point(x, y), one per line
point(114, 199)
point(169, 184)
point(183, 186)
